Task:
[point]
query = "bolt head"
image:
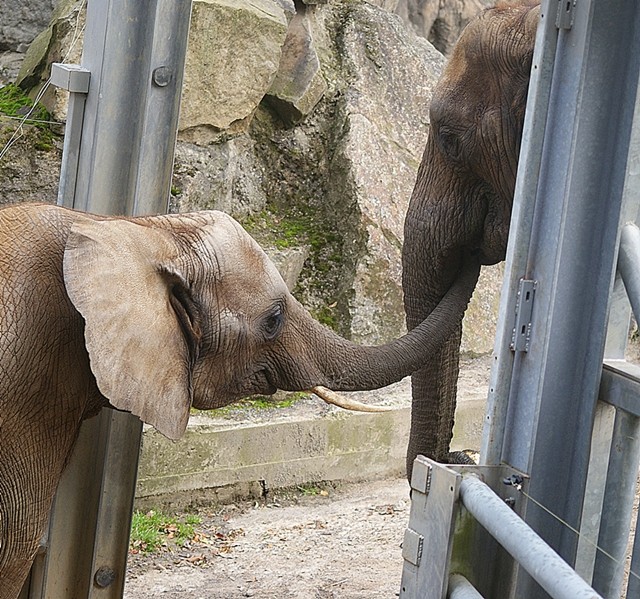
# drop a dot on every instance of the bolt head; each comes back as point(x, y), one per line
point(104, 577)
point(162, 76)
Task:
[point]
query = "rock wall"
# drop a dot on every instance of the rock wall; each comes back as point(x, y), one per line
point(440, 21)
point(21, 21)
point(307, 123)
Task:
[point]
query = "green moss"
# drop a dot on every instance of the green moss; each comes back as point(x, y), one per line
point(258, 402)
point(15, 103)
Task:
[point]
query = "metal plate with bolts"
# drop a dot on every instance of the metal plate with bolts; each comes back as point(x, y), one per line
point(427, 542)
point(437, 540)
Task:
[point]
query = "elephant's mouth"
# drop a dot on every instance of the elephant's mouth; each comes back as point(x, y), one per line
point(488, 257)
point(267, 386)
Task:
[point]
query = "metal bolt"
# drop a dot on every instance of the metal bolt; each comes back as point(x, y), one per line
point(510, 501)
point(162, 76)
point(104, 576)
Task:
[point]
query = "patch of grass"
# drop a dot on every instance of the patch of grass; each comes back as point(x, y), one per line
point(151, 531)
point(310, 490)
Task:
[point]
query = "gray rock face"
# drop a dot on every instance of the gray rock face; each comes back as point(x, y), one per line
point(21, 21)
point(299, 84)
point(387, 106)
point(232, 59)
point(440, 21)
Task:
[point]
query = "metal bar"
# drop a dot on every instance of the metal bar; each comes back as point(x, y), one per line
point(620, 491)
point(461, 588)
point(75, 79)
point(594, 491)
point(124, 160)
point(629, 264)
point(620, 386)
point(476, 554)
point(521, 224)
point(549, 570)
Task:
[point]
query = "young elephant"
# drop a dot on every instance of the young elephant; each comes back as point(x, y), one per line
point(151, 315)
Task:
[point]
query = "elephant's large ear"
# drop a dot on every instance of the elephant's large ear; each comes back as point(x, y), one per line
point(115, 275)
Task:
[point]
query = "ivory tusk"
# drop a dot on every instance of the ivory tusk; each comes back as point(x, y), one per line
point(347, 404)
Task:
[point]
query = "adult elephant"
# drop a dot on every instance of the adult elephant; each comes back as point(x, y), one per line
point(462, 198)
point(151, 315)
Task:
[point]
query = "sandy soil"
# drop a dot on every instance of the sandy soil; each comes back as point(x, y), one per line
point(321, 542)
point(325, 543)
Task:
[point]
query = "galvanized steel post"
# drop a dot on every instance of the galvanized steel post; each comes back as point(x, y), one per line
point(121, 164)
point(564, 234)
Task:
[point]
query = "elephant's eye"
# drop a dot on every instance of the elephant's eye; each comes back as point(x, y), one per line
point(450, 144)
point(273, 322)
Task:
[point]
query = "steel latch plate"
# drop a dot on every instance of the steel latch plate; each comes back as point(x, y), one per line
point(521, 336)
point(564, 17)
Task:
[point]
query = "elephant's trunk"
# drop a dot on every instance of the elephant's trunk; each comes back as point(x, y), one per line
point(344, 366)
point(437, 228)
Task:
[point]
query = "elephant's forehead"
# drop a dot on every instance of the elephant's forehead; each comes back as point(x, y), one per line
point(241, 260)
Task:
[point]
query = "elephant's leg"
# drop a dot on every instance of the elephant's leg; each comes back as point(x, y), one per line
point(28, 481)
point(434, 390)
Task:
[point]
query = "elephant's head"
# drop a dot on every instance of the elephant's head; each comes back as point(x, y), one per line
point(462, 199)
point(188, 310)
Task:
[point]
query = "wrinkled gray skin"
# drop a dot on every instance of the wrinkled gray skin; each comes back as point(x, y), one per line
point(461, 203)
point(151, 315)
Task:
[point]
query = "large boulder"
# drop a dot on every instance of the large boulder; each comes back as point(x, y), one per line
point(232, 59)
point(21, 21)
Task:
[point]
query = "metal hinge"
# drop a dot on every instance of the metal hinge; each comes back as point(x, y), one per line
point(521, 335)
point(564, 16)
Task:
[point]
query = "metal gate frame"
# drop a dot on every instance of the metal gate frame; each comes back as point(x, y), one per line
point(578, 183)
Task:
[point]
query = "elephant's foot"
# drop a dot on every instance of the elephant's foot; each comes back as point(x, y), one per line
point(464, 457)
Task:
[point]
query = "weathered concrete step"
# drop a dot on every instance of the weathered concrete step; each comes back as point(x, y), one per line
point(223, 459)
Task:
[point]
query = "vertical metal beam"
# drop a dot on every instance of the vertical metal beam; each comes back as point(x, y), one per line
point(135, 52)
point(541, 418)
point(504, 359)
point(595, 510)
point(620, 492)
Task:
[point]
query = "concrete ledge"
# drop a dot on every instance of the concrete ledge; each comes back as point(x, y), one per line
point(221, 460)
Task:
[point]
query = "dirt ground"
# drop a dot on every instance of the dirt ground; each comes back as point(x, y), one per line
point(320, 542)
point(315, 543)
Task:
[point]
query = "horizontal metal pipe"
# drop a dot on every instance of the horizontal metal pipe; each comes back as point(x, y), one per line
point(629, 264)
point(544, 565)
point(461, 588)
